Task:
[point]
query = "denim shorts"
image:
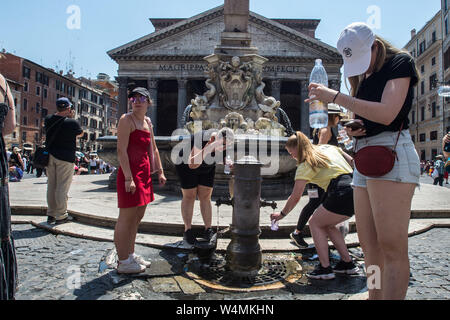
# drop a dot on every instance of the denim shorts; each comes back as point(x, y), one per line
point(407, 166)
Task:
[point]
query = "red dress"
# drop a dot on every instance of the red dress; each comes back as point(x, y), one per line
point(138, 147)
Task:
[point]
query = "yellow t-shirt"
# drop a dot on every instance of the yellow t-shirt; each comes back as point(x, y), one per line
point(323, 176)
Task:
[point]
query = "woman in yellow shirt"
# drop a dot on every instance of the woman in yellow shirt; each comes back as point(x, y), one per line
point(328, 167)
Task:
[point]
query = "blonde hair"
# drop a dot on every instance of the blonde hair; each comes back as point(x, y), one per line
point(307, 152)
point(386, 51)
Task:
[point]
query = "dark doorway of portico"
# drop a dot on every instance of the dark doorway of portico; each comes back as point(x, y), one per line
point(195, 87)
point(167, 107)
point(291, 102)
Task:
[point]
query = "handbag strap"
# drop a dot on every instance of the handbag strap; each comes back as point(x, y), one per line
point(396, 142)
point(398, 136)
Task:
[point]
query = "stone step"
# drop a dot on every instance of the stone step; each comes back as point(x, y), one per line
point(85, 231)
point(172, 229)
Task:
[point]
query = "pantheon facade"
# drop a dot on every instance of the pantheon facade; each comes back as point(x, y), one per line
point(169, 62)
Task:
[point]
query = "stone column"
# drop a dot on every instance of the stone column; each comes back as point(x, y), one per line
point(276, 89)
point(182, 97)
point(123, 96)
point(152, 86)
point(244, 255)
point(304, 108)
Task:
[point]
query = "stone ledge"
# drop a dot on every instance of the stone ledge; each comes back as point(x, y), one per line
point(417, 226)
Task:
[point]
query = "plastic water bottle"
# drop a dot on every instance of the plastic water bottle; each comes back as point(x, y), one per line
point(274, 225)
point(318, 111)
point(344, 138)
point(227, 169)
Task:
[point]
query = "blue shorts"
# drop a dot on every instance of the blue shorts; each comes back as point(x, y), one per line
point(406, 168)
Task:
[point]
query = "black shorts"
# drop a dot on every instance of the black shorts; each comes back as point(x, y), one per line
point(191, 179)
point(339, 196)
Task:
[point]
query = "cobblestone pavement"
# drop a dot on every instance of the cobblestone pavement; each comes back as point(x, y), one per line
point(65, 268)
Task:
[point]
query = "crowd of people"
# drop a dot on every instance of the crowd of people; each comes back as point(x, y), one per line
point(438, 169)
point(90, 163)
point(340, 185)
point(20, 163)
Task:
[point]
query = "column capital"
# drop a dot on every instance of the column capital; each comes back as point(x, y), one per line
point(123, 81)
point(152, 83)
point(182, 83)
point(276, 84)
point(335, 84)
point(304, 84)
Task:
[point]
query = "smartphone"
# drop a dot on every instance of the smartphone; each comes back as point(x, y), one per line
point(354, 125)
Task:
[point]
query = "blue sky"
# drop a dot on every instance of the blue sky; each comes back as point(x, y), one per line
point(37, 30)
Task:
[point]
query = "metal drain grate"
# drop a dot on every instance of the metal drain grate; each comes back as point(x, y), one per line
point(270, 272)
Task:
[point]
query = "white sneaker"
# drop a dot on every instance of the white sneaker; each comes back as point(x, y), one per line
point(130, 268)
point(142, 261)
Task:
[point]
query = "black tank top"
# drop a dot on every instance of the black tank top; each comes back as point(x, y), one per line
point(333, 140)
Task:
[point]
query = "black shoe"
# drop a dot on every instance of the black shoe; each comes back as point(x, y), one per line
point(208, 234)
point(321, 273)
point(298, 240)
point(189, 237)
point(346, 268)
point(52, 220)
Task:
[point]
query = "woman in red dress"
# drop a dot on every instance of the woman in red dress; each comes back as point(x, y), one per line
point(135, 146)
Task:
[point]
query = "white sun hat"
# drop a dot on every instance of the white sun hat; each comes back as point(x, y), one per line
point(355, 46)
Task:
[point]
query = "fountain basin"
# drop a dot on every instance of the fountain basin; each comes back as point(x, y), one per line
point(275, 185)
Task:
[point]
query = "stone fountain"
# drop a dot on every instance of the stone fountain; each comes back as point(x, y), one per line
point(236, 100)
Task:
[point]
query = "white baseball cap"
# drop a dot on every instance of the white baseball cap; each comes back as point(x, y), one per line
point(355, 46)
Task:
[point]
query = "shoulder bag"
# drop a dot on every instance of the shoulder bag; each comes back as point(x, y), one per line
point(376, 161)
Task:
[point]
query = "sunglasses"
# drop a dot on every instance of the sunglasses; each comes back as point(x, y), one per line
point(140, 99)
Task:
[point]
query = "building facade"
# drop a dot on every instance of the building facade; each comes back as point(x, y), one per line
point(40, 88)
point(36, 90)
point(446, 53)
point(170, 63)
point(111, 96)
point(427, 114)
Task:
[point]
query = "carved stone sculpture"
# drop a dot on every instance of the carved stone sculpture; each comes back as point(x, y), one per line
point(236, 81)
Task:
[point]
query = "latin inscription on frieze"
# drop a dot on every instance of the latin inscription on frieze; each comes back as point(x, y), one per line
point(284, 69)
point(182, 67)
point(202, 68)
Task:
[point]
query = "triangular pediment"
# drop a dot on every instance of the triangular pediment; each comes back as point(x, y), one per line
point(199, 35)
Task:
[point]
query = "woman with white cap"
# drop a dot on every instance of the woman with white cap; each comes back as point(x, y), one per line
point(382, 79)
